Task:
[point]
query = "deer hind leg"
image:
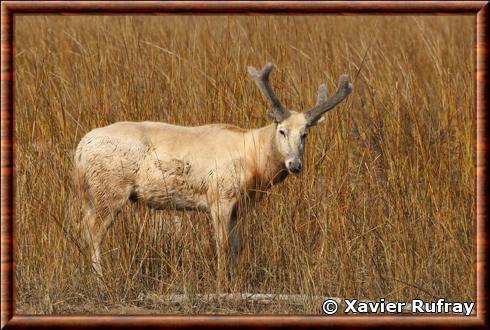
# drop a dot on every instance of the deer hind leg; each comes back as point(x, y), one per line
point(92, 237)
point(105, 201)
point(96, 225)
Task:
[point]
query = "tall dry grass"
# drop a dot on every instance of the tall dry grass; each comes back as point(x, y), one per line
point(384, 208)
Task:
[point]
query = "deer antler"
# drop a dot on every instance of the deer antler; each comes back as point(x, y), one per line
point(323, 104)
point(278, 112)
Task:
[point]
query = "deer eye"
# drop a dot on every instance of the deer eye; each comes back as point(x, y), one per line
point(282, 132)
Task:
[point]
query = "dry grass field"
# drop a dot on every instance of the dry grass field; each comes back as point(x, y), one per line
point(383, 209)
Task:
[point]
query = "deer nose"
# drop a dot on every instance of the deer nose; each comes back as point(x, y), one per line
point(295, 166)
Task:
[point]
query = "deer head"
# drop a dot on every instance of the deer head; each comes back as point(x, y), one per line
point(291, 126)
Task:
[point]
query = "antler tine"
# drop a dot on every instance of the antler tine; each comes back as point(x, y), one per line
point(321, 95)
point(344, 89)
point(279, 112)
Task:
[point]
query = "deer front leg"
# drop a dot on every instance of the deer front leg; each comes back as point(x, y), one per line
point(222, 212)
point(235, 237)
point(234, 233)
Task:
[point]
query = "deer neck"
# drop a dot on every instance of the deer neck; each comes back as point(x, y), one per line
point(267, 165)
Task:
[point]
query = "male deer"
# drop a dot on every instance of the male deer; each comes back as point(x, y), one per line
point(215, 168)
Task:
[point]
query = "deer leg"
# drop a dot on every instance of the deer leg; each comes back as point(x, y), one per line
point(100, 210)
point(234, 235)
point(221, 213)
point(95, 229)
point(89, 233)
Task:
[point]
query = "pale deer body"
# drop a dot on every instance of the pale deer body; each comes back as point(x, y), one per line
point(214, 168)
point(151, 166)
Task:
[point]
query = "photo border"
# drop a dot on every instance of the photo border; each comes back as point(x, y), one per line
point(9, 9)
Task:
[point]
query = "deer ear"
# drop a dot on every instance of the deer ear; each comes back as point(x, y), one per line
point(276, 116)
point(316, 122)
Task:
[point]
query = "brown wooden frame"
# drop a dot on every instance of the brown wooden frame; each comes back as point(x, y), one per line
point(11, 8)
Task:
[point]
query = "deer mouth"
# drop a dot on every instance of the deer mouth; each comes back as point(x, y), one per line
point(294, 167)
point(294, 172)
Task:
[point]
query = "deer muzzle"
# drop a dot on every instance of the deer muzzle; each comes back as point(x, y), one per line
point(294, 166)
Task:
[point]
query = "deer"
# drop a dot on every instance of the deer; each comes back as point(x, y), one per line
point(215, 168)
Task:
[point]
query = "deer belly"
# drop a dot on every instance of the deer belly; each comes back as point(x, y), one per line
point(168, 185)
point(169, 200)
